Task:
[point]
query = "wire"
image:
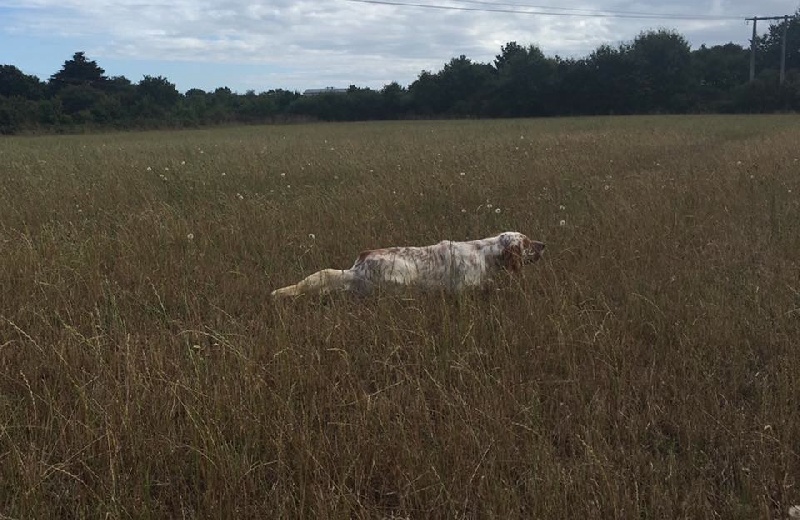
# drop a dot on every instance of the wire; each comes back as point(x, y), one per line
point(587, 14)
point(599, 11)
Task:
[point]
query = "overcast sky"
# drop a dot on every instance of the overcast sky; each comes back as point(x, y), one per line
point(299, 44)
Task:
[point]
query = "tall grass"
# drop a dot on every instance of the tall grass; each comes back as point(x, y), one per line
point(647, 367)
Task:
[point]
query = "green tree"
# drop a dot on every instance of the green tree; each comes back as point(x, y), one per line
point(362, 104)
point(428, 96)
point(256, 108)
point(396, 100)
point(158, 90)
point(223, 105)
point(525, 82)
point(508, 54)
point(721, 66)
point(465, 86)
point(156, 101)
point(716, 72)
point(17, 114)
point(192, 109)
point(79, 98)
point(460, 88)
point(609, 80)
point(574, 92)
point(119, 107)
point(770, 46)
point(13, 82)
point(78, 71)
point(283, 99)
point(661, 62)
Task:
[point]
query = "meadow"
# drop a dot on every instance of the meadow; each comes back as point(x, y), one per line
point(647, 367)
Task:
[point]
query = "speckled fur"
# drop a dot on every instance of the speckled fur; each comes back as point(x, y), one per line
point(448, 265)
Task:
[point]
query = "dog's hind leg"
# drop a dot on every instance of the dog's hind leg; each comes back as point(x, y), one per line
point(321, 282)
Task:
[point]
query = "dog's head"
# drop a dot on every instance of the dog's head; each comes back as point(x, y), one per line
point(519, 250)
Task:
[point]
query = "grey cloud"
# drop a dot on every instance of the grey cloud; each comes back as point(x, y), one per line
point(340, 42)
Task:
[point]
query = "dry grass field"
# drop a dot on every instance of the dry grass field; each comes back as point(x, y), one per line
point(648, 367)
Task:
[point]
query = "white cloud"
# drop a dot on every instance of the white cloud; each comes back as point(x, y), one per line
point(307, 43)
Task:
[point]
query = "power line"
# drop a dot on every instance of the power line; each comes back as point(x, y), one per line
point(598, 11)
point(553, 11)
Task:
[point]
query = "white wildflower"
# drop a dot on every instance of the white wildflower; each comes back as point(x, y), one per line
point(240, 196)
point(562, 207)
point(149, 169)
point(606, 187)
point(562, 222)
point(312, 236)
point(497, 210)
point(190, 236)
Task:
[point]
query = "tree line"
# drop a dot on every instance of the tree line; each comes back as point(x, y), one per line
point(657, 72)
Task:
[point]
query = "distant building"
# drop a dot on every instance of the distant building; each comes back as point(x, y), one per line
point(326, 90)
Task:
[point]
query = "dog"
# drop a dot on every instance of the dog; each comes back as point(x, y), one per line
point(448, 265)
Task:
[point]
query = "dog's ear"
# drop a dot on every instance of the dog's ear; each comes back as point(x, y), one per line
point(512, 258)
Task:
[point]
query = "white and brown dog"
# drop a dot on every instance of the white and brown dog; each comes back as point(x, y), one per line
point(448, 265)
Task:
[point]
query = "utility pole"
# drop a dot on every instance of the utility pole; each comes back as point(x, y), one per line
point(753, 50)
point(783, 48)
point(755, 19)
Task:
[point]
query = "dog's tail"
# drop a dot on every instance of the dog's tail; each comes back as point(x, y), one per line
point(321, 282)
